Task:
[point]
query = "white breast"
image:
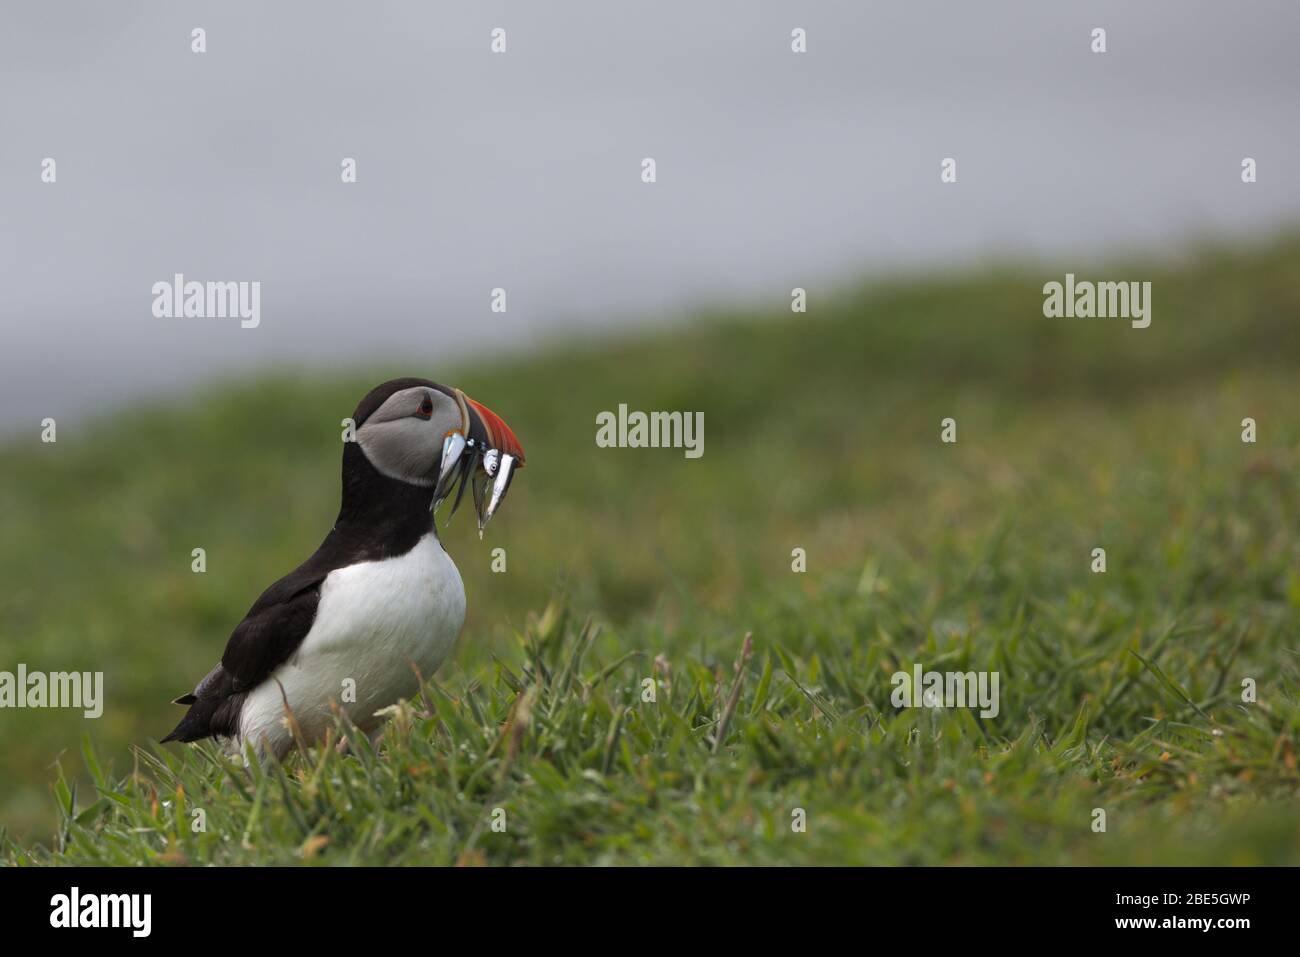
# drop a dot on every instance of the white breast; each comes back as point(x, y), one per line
point(376, 624)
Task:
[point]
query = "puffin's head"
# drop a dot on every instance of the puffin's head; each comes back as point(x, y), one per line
point(426, 434)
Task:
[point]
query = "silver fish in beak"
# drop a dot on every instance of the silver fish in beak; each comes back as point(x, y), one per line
point(504, 473)
point(453, 446)
point(486, 450)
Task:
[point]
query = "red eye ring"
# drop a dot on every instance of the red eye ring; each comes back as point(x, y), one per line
point(425, 410)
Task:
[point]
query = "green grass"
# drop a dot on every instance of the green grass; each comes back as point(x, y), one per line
point(1119, 691)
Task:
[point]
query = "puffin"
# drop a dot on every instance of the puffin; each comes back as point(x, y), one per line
point(378, 606)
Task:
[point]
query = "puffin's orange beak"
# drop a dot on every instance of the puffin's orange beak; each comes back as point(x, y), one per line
point(487, 443)
point(499, 435)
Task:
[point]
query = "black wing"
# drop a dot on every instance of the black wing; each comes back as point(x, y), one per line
point(271, 631)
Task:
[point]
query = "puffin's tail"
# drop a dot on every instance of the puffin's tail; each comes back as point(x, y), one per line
point(197, 723)
point(214, 709)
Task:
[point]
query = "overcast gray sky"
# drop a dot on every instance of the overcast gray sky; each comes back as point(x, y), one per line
point(522, 170)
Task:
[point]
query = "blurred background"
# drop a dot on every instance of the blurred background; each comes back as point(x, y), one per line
point(522, 171)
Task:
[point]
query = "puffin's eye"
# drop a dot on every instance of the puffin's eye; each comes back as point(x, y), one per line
point(426, 408)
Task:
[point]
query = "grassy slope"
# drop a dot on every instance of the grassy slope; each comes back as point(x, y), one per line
point(821, 433)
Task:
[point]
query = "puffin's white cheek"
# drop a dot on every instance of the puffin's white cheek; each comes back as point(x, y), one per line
point(404, 449)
